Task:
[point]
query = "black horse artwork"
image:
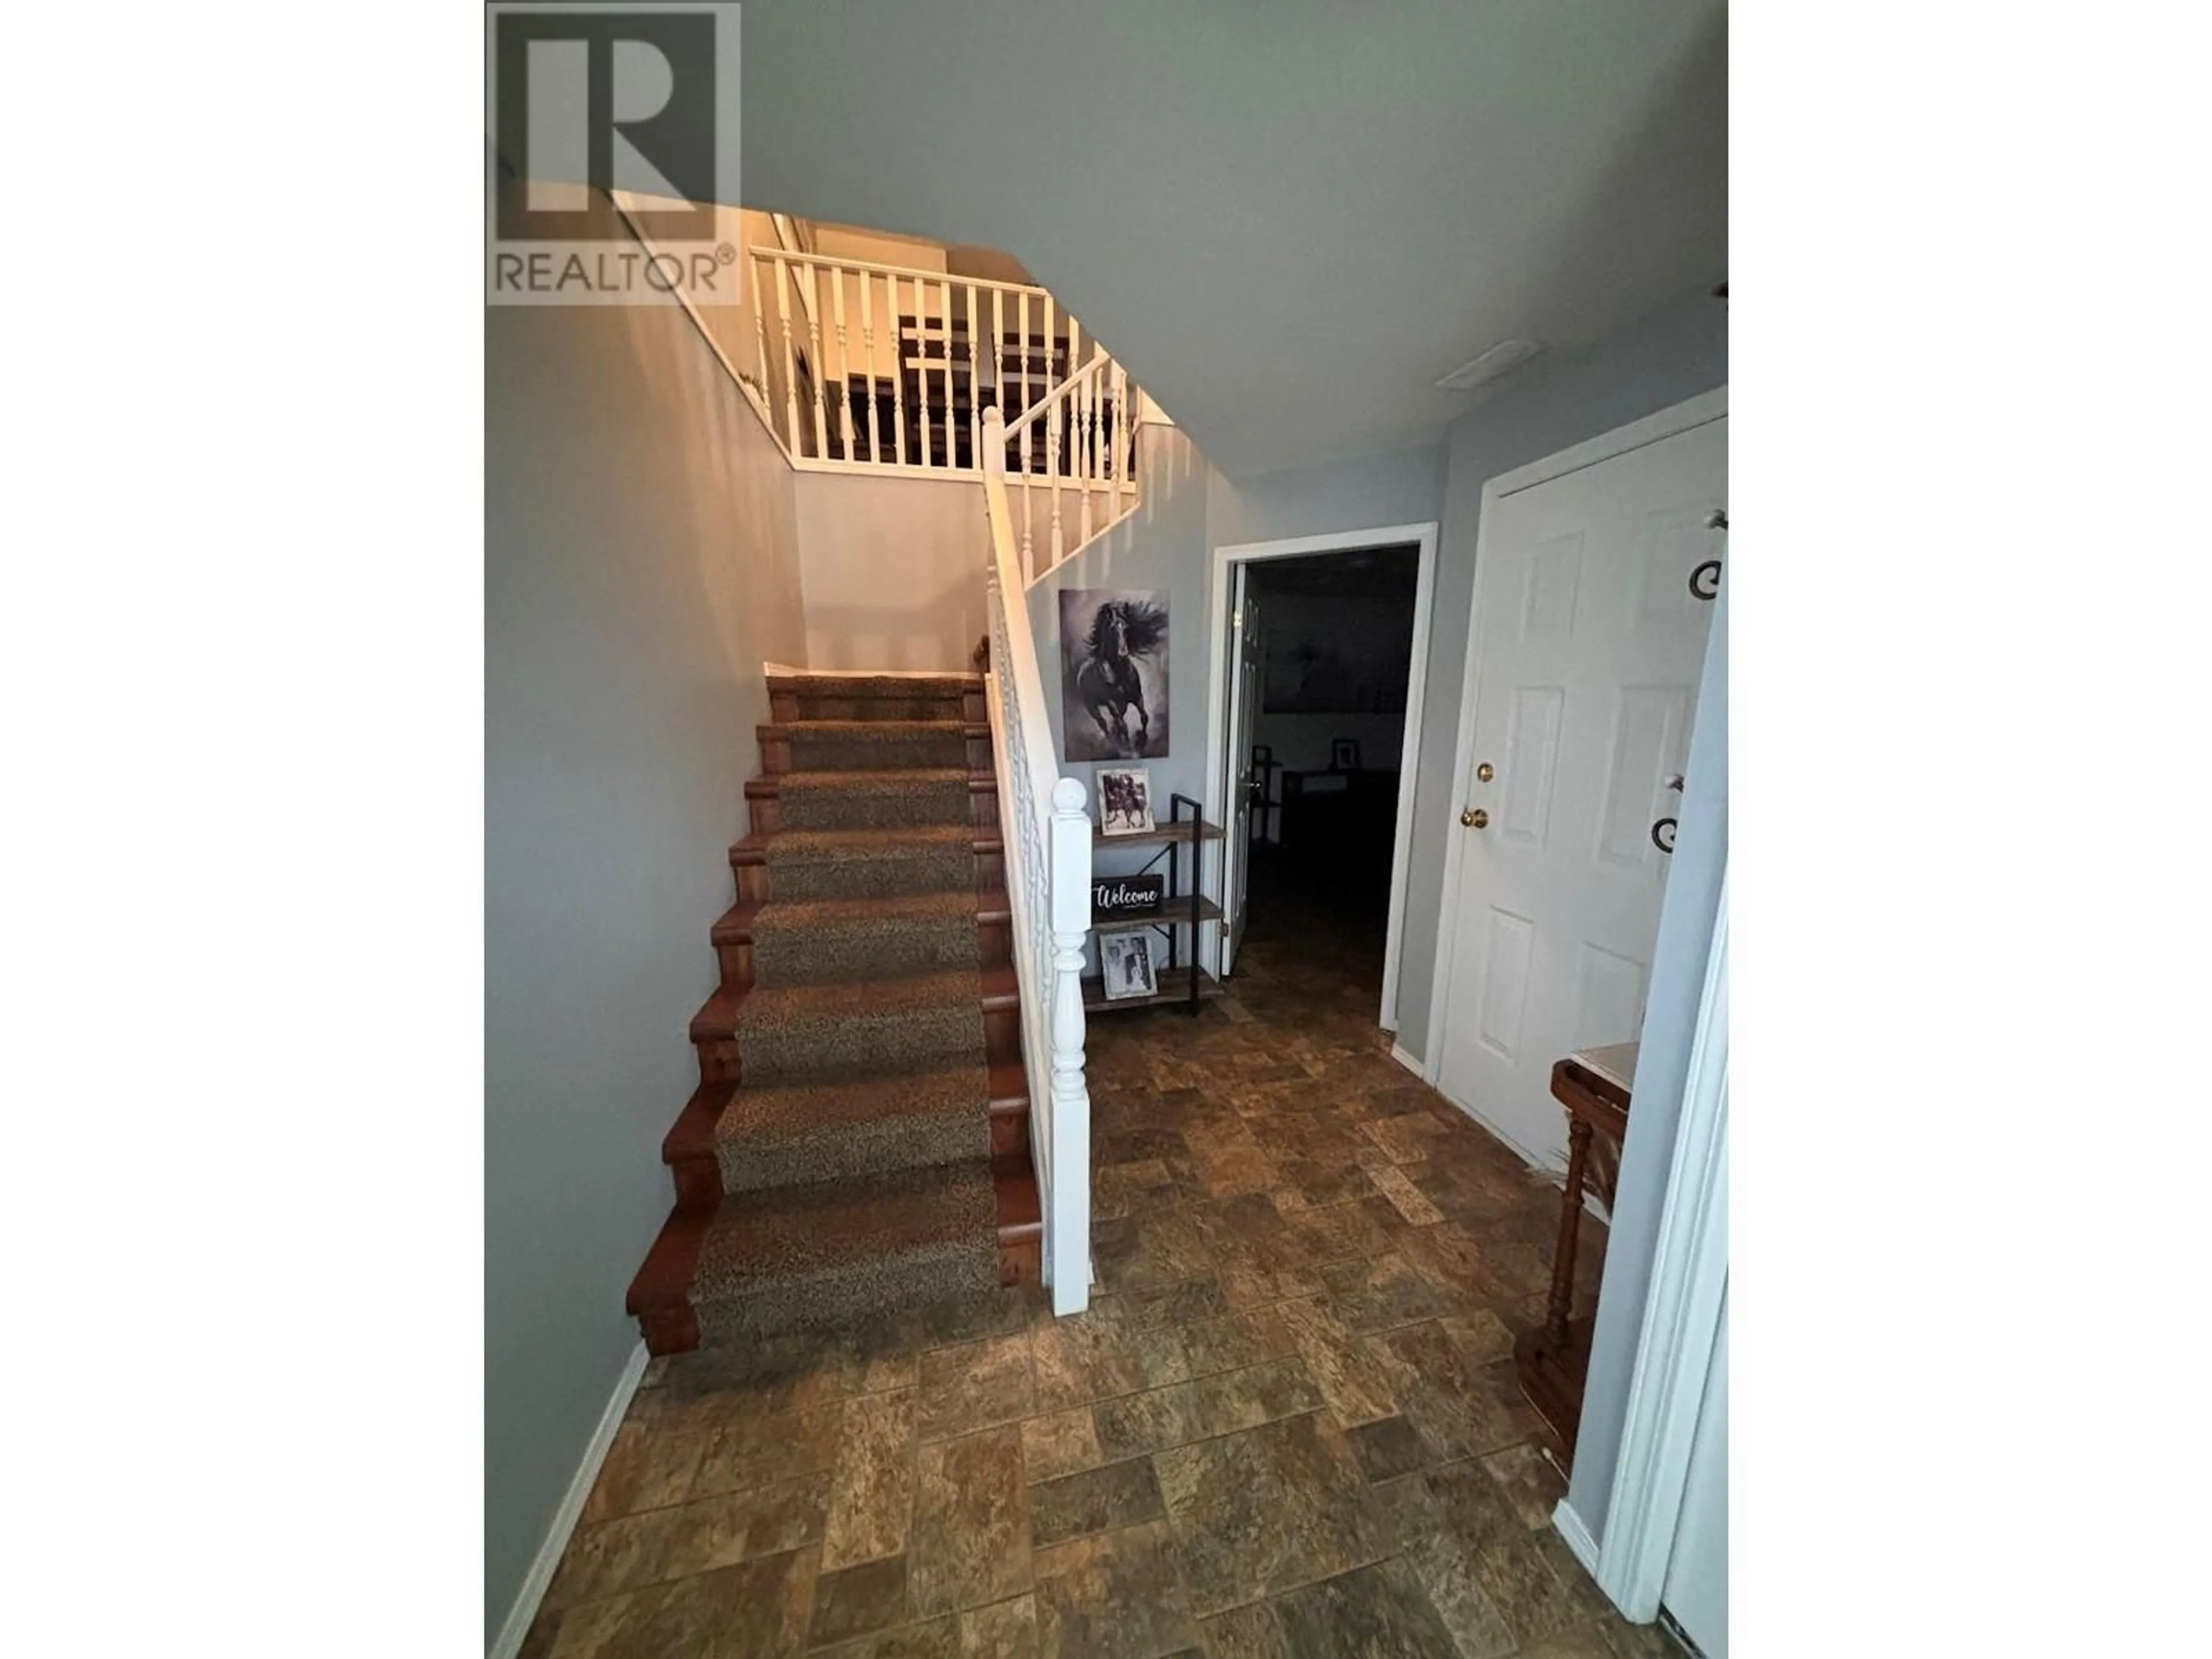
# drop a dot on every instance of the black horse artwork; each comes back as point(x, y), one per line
point(1107, 661)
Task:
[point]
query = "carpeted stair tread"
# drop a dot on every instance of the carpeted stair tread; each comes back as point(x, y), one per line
point(825, 864)
point(841, 1027)
point(881, 798)
point(868, 745)
point(809, 941)
point(875, 685)
point(802, 1132)
point(826, 1253)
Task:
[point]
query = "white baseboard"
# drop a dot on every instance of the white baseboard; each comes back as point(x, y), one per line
point(534, 1583)
point(1411, 1062)
point(1571, 1527)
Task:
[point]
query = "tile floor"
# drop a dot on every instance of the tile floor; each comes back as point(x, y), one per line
point(1287, 1425)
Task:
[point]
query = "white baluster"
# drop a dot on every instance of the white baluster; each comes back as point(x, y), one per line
point(760, 336)
point(975, 385)
point(951, 448)
point(821, 369)
point(844, 403)
point(1056, 457)
point(1070, 1220)
point(999, 358)
point(790, 362)
point(1049, 383)
point(868, 348)
point(898, 368)
point(1086, 453)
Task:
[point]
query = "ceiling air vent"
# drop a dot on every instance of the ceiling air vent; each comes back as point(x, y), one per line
point(1501, 358)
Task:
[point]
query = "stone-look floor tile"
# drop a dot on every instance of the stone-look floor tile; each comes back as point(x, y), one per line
point(1406, 1198)
point(1312, 1181)
point(699, 1536)
point(1125, 1189)
point(1231, 1165)
point(1226, 1401)
point(1178, 1304)
point(1260, 1511)
point(1133, 1424)
point(872, 1494)
point(1379, 1292)
point(1060, 1443)
point(857, 1601)
point(1463, 1409)
point(1359, 1381)
point(970, 1543)
point(1583, 1644)
point(1479, 1560)
point(1113, 1596)
point(1479, 1334)
point(1379, 1609)
point(647, 1467)
point(937, 1639)
point(753, 1610)
point(1529, 1482)
point(1118, 1495)
point(1404, 1139)
point(1450, 1258)
point(1625, 1641)
point(1146, 1252)
point(1237, 1341)
point(1246, 1633)
point(881, 1373)
point(758, 1451)
point(1005, 1630)
point(973, 1386)
point(1102, 1352)
point(1448, 1574)
point(1388, 1449)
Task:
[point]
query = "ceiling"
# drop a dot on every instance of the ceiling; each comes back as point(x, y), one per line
point(1288, 217)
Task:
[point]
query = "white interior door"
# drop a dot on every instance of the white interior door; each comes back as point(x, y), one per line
point(1588, 641)
point(1245, 652)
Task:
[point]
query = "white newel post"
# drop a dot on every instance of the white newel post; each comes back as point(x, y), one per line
point(1070, 1221)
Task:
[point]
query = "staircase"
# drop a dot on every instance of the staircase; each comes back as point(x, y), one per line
point(858, 1146)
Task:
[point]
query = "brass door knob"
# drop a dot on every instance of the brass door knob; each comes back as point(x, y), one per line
point(1475, 818)
point(1484, 772)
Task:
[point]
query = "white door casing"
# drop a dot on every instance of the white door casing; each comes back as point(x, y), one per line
point(1248, 650)
point(1584, 650)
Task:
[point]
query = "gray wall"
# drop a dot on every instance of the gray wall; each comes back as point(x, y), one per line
point(1675, 353)
point(639, 568)
point(1662, 1067)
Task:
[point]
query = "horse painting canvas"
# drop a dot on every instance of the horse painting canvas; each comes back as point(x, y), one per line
point(1113, 673)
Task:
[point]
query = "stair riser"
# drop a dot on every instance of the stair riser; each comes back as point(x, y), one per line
point(993, 949)
point(779, 755)
point(701, 1180)
point(857, 809)
point(816, 955)
point(721, 1059)
point(873, 700)
point(788, 706)
point(821, 1046)
point(833, 1300)
point(866, 1149)
point(955, 869)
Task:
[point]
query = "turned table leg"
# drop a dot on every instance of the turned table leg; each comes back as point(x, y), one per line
point(1570, 1215)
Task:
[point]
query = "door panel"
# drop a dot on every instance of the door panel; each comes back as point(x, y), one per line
point(1588, 647)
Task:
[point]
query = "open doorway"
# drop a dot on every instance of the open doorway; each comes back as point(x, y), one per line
point(1319, 665)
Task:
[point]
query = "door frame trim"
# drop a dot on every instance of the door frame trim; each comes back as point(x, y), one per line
point(1424, 535)
point(1705, 408)
point(1681, 1315)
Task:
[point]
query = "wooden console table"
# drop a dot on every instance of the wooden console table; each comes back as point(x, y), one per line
point(1553, 1358)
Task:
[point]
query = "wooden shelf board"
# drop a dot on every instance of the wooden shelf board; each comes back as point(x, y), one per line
point(1171, 912)
point(1175, 990)
point(1166, 832)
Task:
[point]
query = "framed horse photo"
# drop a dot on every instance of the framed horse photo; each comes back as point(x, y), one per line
point(1125, 801)
point(1113, 673)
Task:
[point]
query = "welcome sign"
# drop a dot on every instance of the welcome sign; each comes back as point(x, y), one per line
point(1126, 895)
